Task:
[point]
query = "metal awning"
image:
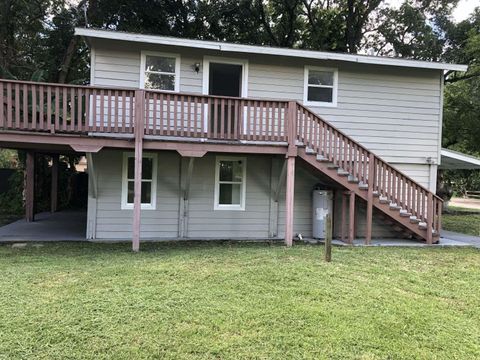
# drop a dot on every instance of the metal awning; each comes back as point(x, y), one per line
point(454, 160)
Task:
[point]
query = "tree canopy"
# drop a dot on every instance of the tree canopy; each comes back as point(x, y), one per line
point(37, 42)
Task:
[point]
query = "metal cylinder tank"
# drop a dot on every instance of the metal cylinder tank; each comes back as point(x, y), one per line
point(322, 205)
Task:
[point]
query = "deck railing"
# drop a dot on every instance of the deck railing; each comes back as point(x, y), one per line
point(58, 108)
point(389, 182)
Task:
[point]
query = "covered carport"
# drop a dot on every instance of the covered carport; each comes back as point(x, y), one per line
point(454, 160)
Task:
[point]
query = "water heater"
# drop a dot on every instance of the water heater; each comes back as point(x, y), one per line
point(322, 205)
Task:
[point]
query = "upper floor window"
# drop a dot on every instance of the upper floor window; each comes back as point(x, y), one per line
point(321, 85)
point(160, 71)
point(149, 181)
point(230, 174)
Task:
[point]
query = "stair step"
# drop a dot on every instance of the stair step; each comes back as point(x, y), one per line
point(376, 194)
point(332, 166)
point(422, 225)
point(310, 151)
point(353, 180)
point(395, 207)
point(384, 200)
point(321, 158)
point(342, 172)
point(414, 220)
point(363, 186)
point(405, 214)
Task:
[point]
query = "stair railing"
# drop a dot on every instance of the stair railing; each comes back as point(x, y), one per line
point(390, 183)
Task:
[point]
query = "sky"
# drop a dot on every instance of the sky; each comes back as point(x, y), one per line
point(464, 9)
point(461, 12)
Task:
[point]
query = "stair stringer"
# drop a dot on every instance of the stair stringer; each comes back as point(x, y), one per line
point(343, 181)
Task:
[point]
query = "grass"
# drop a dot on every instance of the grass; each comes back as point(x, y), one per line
point(463, 220)
point(238, 301)
point(7, 218)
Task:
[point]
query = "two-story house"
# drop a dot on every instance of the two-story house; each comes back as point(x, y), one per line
point(210, 140)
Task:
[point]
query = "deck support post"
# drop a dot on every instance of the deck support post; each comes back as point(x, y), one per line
point(290, 191)
point(185, 197)
point(429, 218)
point(343, 234)
point(371, 180)
point(54, 187)
point(139, 133)
point(291, 154)
point(30, 187)
point(351, 221)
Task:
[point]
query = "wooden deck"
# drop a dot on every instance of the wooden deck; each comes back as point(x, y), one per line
point(86, 119)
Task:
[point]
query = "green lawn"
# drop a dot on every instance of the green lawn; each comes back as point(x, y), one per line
point(462, 220)
point(237, 301)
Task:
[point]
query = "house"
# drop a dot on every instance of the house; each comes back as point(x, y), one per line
point(210, 140)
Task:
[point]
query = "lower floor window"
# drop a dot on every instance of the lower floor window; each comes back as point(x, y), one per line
point(230, 173)
point(149, 181)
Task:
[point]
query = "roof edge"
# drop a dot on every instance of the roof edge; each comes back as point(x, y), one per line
point(460, 156)
point(265, 50)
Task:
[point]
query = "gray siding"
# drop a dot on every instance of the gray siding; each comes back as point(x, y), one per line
point(392, 111)
point(113, 223)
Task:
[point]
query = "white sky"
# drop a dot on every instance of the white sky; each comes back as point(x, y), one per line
point(461, 12)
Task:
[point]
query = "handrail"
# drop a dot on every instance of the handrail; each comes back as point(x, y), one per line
point(364, 148)
point(348, 154)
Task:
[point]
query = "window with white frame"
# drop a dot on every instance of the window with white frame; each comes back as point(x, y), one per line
point(149, 181)
point(320, 86)
point(230, 176)
point(160, 71)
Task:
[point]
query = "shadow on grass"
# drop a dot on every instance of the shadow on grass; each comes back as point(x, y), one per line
point(85, 248)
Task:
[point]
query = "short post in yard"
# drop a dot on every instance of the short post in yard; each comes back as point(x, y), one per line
point(328, 238)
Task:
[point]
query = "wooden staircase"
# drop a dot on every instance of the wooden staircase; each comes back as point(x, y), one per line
point(400, 198)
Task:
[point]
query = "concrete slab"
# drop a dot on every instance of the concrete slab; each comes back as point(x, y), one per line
point(444, 242)
point(464, 238)
point(69, 225)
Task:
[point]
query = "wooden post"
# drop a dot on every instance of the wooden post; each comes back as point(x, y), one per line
point(291, 154)
point(343, 234)
point(54, 188)
point(139, 132)
point(290, 191)
point(429, 218)
point(328, 238)
point(30, 187)
point(351, 221)
point(371, 180)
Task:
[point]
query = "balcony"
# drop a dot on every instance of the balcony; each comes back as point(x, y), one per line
point(115, 113)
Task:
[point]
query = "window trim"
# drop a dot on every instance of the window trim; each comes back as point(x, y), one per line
point(153, 201)
point(241, 206)
point(224, 60)
point(334, 88)
point(143, 60)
